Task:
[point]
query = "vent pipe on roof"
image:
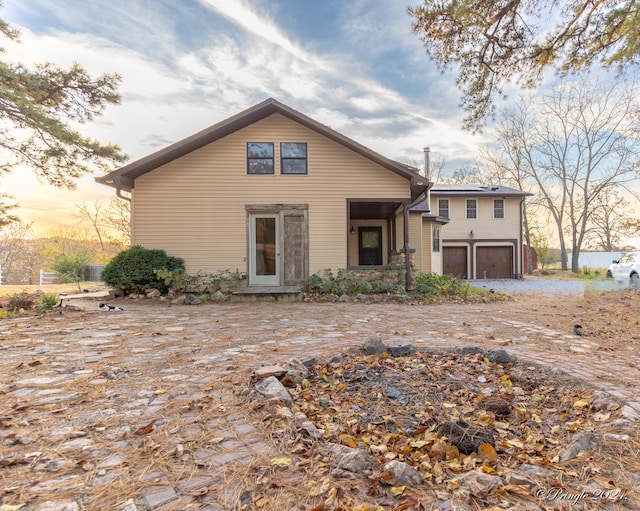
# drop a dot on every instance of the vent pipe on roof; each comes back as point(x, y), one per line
point(427, 170)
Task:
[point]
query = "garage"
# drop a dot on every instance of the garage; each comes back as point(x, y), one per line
point(454, 261)
point(494, 262)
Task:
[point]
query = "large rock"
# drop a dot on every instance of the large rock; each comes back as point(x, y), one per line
point(479, 484)
point(357, 461)
point(374, 346)
point(404, 474)
point(271, 387)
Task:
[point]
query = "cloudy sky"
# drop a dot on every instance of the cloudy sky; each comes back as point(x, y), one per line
point(188, 64)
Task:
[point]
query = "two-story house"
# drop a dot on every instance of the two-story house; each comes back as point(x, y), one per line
point(483, 238)
point(278, 195)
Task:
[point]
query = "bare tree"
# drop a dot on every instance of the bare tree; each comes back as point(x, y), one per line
point(111, 224)
point(610, 223)
point(16, 241)
point(118, 218)
point(575, 143)
point(92, 213)
point(506, 165)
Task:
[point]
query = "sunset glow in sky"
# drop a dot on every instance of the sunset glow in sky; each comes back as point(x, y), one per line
point(356, 66)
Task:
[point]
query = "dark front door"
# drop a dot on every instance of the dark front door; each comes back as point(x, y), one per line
point(370, 246)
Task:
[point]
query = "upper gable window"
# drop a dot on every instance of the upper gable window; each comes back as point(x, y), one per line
point(498, 208)
point(293, 158)
point(260, 158)
point(472, 208)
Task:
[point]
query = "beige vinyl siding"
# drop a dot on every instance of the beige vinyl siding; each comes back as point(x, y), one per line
point(485, 226)
point(415, 239)
point(353, 239)
point(425, 266)
point(194, 207)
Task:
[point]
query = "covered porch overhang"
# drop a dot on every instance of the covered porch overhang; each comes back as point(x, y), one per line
point(372, 231)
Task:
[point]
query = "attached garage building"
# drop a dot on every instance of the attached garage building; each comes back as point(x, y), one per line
point(483, 238)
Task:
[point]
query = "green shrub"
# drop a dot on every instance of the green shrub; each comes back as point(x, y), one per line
point(47, 302)
point(135, 269)
point(432, 284)
point(71, 268)
point(352, 283)
point(322, 284)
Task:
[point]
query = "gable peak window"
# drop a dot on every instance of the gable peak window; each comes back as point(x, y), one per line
point(293, 158)
point(472, 208)
point(260, 158)
point(498, 208)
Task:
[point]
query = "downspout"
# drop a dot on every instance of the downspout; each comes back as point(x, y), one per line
point(119, 194)
point(405, 213)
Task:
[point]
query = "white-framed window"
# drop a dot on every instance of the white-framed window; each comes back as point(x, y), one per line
point(498, 208)
point(435, 238)
point(472, 209)
point(443, 208)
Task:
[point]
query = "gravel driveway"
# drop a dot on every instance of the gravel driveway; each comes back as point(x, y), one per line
point(541, 285)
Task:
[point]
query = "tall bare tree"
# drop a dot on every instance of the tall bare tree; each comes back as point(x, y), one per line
point(575, 143)
point(610, 223)
point(491, 43)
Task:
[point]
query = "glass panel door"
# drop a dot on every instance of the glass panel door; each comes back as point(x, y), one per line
point(370, 246)
point(264, 251)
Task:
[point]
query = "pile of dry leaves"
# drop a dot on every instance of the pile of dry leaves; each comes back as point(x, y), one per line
point(444, 430)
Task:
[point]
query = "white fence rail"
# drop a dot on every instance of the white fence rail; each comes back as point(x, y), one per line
point(48, 277)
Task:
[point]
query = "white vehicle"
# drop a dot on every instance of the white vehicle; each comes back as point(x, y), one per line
point(627, 267)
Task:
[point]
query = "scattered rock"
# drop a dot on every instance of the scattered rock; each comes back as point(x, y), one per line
point(402, 351)
point(500, 357)
point(480, 484)
point(579, 443)
point(517, 479)
point(358, 461)
point(374, 346)
point(296, 372)
point(271, 387)
point(152, 293)
point(309, 361)
point(266, 371)
point(630, 413)
point(303, 421)
point(191, 299)
point(404, 474)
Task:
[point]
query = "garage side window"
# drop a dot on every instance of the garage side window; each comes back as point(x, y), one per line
point(293, 158)
point(498, 208)
point(472, 208)
point(260, 158)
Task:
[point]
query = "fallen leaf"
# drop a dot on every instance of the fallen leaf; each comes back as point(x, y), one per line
point(281, 461)
point(487, 453)
point(397, 490)
point(580, 404)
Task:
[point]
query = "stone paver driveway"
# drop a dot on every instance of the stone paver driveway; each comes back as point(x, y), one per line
point(134, 410)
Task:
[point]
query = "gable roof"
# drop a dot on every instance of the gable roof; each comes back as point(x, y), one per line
point(124, 177)
point(476, 191)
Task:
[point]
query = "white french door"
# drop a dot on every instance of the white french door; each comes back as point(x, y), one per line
point(264, 249)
